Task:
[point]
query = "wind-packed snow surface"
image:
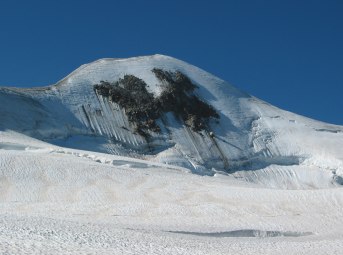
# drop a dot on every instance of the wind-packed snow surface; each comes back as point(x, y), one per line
point(77, 176)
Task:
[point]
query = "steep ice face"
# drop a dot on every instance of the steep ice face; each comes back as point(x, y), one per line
point(250, 138)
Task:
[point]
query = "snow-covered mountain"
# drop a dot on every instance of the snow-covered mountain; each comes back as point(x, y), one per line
point(103, 162)
point(243, 136)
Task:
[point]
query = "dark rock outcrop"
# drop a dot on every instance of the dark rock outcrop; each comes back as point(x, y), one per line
point(143, 109)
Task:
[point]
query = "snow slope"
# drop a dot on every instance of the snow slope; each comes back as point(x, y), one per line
point(76, 179)
point(55, 200)
point(253, 140)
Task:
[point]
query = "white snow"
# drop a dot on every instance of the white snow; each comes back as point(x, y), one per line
point(104, 194)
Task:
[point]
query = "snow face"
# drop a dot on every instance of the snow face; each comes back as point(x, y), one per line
point(76, 179)
point(251, 140)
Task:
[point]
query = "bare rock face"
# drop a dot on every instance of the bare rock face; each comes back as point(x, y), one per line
point(143, 109)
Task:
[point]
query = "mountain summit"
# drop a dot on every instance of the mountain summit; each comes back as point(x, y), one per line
point(164, 110)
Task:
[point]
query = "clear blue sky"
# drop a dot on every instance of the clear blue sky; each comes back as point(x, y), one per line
point(289, 53)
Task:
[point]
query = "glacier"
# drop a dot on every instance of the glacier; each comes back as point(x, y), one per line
point(77, 178)
point(253, 140)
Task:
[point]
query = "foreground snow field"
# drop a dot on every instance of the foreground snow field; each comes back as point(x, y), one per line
point(76, 179)
point(56, 200)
